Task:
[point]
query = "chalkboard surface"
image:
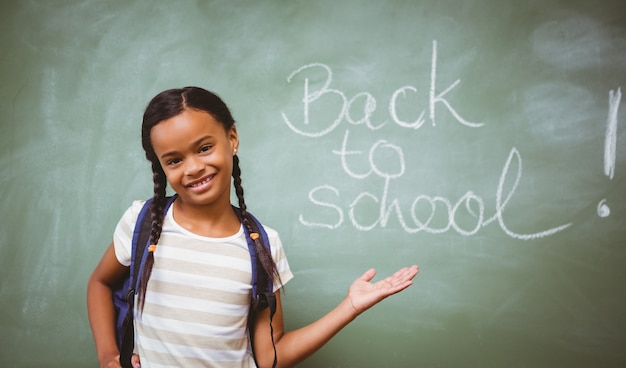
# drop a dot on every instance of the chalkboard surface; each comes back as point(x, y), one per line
point(483, 140)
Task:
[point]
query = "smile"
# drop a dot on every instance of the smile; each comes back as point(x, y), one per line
point(202, 183)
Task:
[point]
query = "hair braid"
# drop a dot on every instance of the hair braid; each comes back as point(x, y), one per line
point(263, 254)
point(156, 216)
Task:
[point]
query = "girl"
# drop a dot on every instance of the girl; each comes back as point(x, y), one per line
point(194, 300)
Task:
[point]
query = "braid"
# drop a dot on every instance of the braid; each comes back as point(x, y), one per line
point(156, 215)
point(237, 183)
point(263, 254)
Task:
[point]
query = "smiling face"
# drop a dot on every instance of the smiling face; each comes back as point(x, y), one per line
point(196, 154)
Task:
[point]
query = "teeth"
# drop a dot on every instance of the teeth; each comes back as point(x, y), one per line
point(201, 183)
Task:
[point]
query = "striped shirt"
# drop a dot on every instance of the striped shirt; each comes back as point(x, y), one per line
point(198, 297)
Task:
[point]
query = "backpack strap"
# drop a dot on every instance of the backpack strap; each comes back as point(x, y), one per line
point(262, 284)
point(141, 238)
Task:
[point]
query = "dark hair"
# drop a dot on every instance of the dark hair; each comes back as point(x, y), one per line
point(163, 106)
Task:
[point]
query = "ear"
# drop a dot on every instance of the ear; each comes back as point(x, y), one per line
point(233, 138)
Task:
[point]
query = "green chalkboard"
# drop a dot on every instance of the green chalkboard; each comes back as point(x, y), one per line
point(483, 140)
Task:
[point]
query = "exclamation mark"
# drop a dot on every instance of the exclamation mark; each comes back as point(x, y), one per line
point(610, 140)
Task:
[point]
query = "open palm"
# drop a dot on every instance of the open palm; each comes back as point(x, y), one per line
point(364, 294)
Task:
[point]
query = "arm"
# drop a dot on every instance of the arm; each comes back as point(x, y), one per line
point(295, 346)
point(100, 307)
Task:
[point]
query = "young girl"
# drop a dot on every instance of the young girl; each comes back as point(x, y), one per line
point(194, 300)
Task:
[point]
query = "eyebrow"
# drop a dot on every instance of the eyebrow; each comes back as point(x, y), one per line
point(196, 143)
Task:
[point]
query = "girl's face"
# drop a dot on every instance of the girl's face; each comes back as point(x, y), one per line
point(196, 154)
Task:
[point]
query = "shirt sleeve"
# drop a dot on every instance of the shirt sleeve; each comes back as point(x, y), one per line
point(280, 258)
point(123, 235)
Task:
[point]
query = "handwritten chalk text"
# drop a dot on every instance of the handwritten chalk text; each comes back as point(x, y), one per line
point(417, 216)
point(344, 112)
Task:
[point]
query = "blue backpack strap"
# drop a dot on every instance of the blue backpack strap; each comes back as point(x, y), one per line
point(142, 231)
point(262, 295)
point(259, 292)
point(141, 238)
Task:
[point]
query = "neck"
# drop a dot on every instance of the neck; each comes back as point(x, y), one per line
point(217, 220)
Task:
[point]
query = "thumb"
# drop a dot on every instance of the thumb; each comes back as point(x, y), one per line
point(368, 275)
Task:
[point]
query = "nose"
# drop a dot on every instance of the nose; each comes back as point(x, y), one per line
point(193, 166)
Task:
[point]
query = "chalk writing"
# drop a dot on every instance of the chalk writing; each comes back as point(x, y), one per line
point(611, 133)
point(471, 202)
point(610, 138)
point(423, 209)
point(343, 113)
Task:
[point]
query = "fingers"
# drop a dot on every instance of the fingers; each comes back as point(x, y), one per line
point(363, 294)
point(412, 271)
point(135, 362)
point(402, 279)
point(403, 274)
point(406, 273)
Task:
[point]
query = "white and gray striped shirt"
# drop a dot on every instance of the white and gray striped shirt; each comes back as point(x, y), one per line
point(198, 296)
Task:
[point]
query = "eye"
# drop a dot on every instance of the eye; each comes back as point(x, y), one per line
point(173, 161)
point(205, 148)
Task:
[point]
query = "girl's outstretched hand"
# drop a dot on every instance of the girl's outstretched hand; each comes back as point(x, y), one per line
point(363, 294)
